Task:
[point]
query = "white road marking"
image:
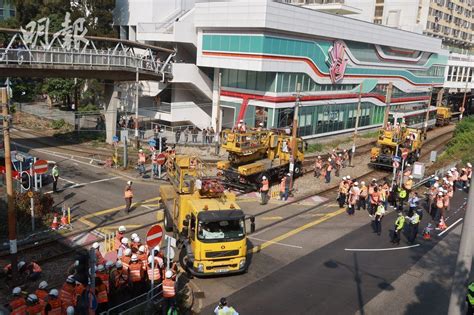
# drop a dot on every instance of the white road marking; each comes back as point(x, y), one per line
point(84, 184)
point(449, 227)
point(379, 249)
point(67, 180)
point(276, 243)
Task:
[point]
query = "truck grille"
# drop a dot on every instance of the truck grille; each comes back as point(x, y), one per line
point(223, 253)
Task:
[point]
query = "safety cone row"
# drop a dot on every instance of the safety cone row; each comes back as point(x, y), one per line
point(55, 224)
point(64, 219)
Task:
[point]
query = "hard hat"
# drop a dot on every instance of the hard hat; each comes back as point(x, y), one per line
point(134, 235)
point(241, 120)
point(100, 267)
point(168, 274)
point(453, 169)
point(400, 213)
point(70, 310)
point(288, 174)
point(329, 160)
point(129, 183)
point(408, 164)
point(32, 298)
point(141, 248)
point(362, 183)
point(95, 245)
point(43, 285)
point(134, 257)
point(157, 248)
point(136, 239)
point(109, 264)
point(123, 228)
point(356, 184)
point(260, 124)
point(469, 165)
point(119, 264)
point(264, 177)
point(21, 264)
point(140, 150)
point(452, 184)
point(440, 193)
point(463, 169)
point(339, 154)
point(76, 263)
point(54, 292)
point(124, 241)
point(70, 279)
point(319, 156)
point(374, 180)
point(435, 185)
point(436, 178)
point(16, 290)
point(411, 176)
point(127, 252)
point(348, 177)
point(344, 178)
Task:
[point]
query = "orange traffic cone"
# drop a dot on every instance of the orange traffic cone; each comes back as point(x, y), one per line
point(442, 224)
point(55, 224)
point(64, 220)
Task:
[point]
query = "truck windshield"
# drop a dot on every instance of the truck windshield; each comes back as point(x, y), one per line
point(221, 230)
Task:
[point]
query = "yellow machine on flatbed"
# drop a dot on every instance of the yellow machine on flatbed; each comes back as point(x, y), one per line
point(206, 220)
point(390, 143)
point(255, 154)
point(444, 115)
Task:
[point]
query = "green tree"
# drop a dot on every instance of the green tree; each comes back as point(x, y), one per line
point(59, 89)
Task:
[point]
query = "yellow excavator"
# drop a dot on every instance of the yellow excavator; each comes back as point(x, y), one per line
point(255, 154)
point(443, 115)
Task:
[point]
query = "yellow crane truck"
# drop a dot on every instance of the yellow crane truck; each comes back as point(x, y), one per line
point(443, 115)
point(391, 143)
point(255, 154)
point(206, 219)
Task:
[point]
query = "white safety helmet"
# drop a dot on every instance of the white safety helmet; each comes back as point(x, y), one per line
point(21, 264)
point(16, 291)
point(136, 239)
point(123, 228)
point(260, 124)
point(157, 248)
point(32, 298)
point(348, 177)
point(436, 178)
point(127, 252)
point(124, 241)
point(54, 293)
point(440, 193)
point(374, 180)
point(356, 184)
point(76, 263)
point(95, 245)
point(140, 150)
point(134, 257)
point(410, 177)
point(70, 310)
point(70, 279)
point(362, 183)
point(168, 274)
point(469, 165)
point(43, 285)
point(119, 264)
point(241, 120)
point(319, 156)
point(134, 235)
point(129, 183)
point(100, 267)
point(344, 178)
point(264, 177)
point(109, 264)
point(141, 248)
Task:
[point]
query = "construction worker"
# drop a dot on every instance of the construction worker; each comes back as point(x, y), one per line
point(264, 190)
point(32, 270)
point(342, 193)
point(154, 162)
point(399, 223)
point(55, 175)
point(17, 304)
point(70, 310)
point(53, 304)
point(118, 237)
point(413, 203)
point(42, 292)
point(103, 275)
point(142, 255)
point(128, 195)
point(328, 171)
point(109, 268)
point(135, 242)
point(67, 293)
point(283, 195)
point(141, 162)
point(126, 258)
point(120, 278)
point(353, 198)
point(155, 272)
point(408, 184)
point(99, 259)
point(374, 201)
point(401, 197)
point(102, 296)
point(379, 214)
point(223, 309)
point(470, 298)
point(318, 165)
point(169, 291)
point(122, 247)
point(439, 206)
point(136, 275)
point(362, 204)
point(414, 222)
point(33, 305)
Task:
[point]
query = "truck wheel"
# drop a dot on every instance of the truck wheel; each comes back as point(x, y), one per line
point(297, 170)
point(183, 258)
point(167, 223)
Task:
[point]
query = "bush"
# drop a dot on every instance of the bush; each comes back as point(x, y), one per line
point(43, 205)
point(461, 146)
point(315, 147)
point(58, 124)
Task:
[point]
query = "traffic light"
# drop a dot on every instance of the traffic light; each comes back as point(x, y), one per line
point(25, 180)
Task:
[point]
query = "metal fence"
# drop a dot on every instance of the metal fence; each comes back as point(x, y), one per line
point(139, 304)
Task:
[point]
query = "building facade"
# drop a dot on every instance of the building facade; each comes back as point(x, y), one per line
point(269, 54)
point(7, 10)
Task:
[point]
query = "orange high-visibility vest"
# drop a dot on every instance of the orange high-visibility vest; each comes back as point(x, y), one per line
point(41, 294)
point(283, 184)
point(56, 306)
point(439, 202)
point(363, 191)
point(135, 271)
point(408, 184)
point(102, 296)
point(67, 295)
point(105, 279)
point(154, 273)
point(265, 185)
point(141, 157)
point(121, 278)
point(168, 288)
point(99, 258)
point(126, 262)
point(446, 201)
point(18, 306)
point(36, 309)
point(374, 198)
point(329, 167)
point(118, 240)
point(128, 193)
point(143, 257)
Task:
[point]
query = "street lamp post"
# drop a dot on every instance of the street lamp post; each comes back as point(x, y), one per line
point(294, 142)
point(356, 123)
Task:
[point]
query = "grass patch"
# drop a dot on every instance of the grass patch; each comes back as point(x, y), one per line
point(370, 135)
point(315, 147)
point(461, 146)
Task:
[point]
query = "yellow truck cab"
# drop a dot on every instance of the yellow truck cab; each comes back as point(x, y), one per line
point(443, 115)
point(206, 219)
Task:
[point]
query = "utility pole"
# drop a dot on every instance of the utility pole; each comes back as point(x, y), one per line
point(464, 261)
point(388, 100)
point(9, 182)
point(218, 115)
point(294, 142)
point(463, 101)
point(356, 123)
point(439, 98)
point(427, 117)
point(136, 107)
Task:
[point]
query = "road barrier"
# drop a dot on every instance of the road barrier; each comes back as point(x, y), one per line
point(109, 242)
